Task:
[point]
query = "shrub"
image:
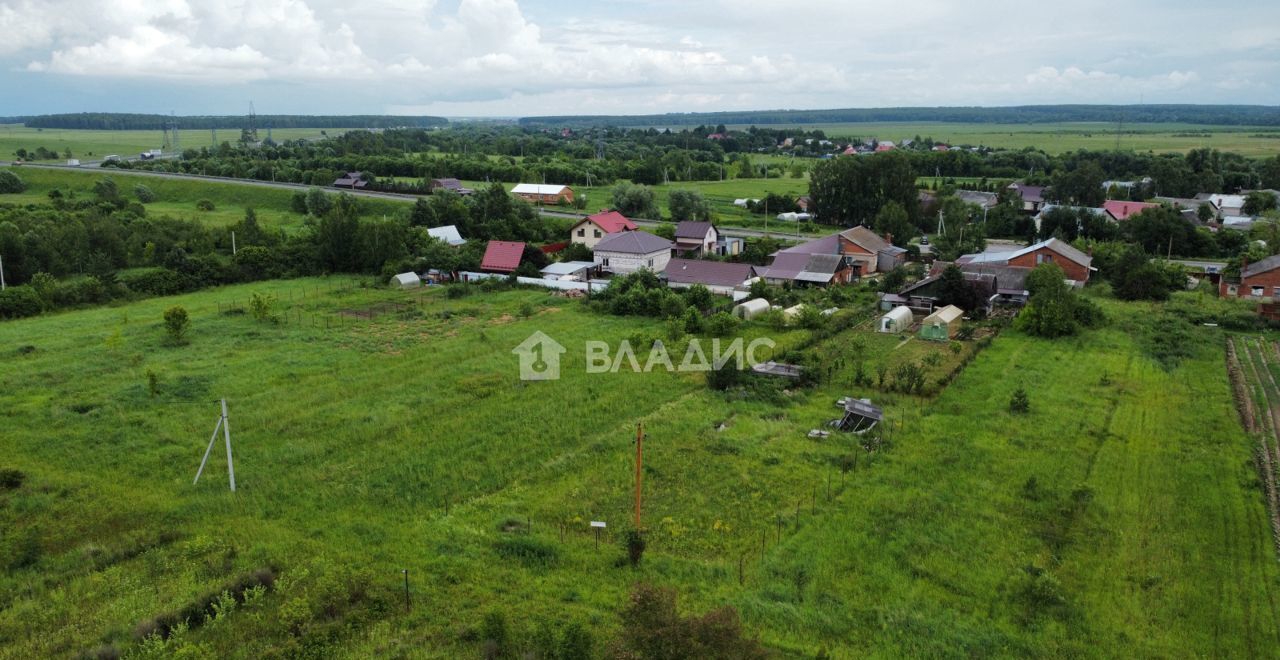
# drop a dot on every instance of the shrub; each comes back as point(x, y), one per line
point(724, 378)
point(19, 301)
point(262, 306)
point(204, 205)
point(11, 479)
point(722, 324)
point(526, 550)
point(10, 183)
point(144, 194)
point(176, 323)
point(635, 546)
point(1018, 403)
point(153, 281)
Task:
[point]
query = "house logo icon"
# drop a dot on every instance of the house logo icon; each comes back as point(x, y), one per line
point(539, 357)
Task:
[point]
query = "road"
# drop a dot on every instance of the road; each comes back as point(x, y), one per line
point(737, 232)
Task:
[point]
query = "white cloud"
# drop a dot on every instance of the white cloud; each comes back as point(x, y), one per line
point(657, 55)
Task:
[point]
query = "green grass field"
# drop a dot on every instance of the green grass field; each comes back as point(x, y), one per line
point(96, 144)
point(1120, 517)
point(1069, 136)
point(178, 197)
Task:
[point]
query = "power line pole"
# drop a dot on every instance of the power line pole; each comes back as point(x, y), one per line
point(1, 272)
point(226, 433)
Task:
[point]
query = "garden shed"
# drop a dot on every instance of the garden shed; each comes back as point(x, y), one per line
point(860, 416)
point(406, 281)
point(751, 309)
point(942, 324)
point(897, 320)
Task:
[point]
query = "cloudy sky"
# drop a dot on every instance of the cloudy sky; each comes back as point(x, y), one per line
point(526, 57)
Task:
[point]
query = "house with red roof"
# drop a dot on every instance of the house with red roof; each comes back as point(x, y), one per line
point(1121, 210)
point(502, 256)
point(593, 228)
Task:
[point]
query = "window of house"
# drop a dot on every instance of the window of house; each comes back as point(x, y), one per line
point(1044, 258)
point(1258, 291)
point(651, 263)
point(1233, 290)
point(605, 262)
point(597, 232)
point(1275, 292)
point(582, 232)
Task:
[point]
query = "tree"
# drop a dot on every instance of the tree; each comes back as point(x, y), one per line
point(953, 289)
point(337, 237)
point(652, 629)
point(10, 183)
point(318, 202)
point(1018, 403)
point(688, 205)
point(1258, 202)
point(422, 214)
point(850, 191)
point(1081, 186)
point(634, 200)
point(1053, 310)
point(176, 323)
point(893, 223)
point(106, 190)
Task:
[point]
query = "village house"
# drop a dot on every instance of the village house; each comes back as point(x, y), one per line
point(876, 254)
point(720, 277)
point(595, 227)
point(541, 193)
point(452, 185)
point(803, 203)
point(1032, 196)
point(351, 180)
point(629, 251)
point(1120, 210)
point(696, 238)
point(1075, 264)
point(801, 268)
point(1257, 281)
point(1228, 204)
point(985, 200)
point(502, 256)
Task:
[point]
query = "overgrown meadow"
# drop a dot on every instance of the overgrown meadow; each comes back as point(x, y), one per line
point(378, 431)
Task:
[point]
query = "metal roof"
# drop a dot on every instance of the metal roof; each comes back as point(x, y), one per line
point(863, 408)
point(633, 242)
point(709, 273)
point(502, 256)
point(448, 233)
point(538, 189)
point(567, 267)
point(691, 229)
point(611, 221)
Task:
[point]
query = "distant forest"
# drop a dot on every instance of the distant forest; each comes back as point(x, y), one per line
point(1242, 115)
point(111, 121)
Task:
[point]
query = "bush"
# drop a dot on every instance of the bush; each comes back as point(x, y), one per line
point(204, 205)
point(725, 377)
point(153, 281)
point(262, 306)
point(722, 324)
point(10, 183)
point(19, 301)
point(176, 323)
point(144, 194)
point(11, 479)
point(635, 546)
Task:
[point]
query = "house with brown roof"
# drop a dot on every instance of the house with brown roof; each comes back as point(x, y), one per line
point(593, 228)
point(874, 253)
point(696, 238)
point(452, 185)
point(352, 180)
point(803, 268)
point(1032, 196)
point(720, 277)
point(502, 256)
point(626, 252)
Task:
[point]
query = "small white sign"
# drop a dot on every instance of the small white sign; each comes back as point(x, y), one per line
point(597, 523)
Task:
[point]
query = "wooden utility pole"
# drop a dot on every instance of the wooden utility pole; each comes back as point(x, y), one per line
point(639, 467)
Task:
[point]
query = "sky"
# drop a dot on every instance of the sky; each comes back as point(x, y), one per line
point(510, 58)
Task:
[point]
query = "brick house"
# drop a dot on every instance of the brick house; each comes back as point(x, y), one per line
point(1257, 281)
point(1075, 264)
